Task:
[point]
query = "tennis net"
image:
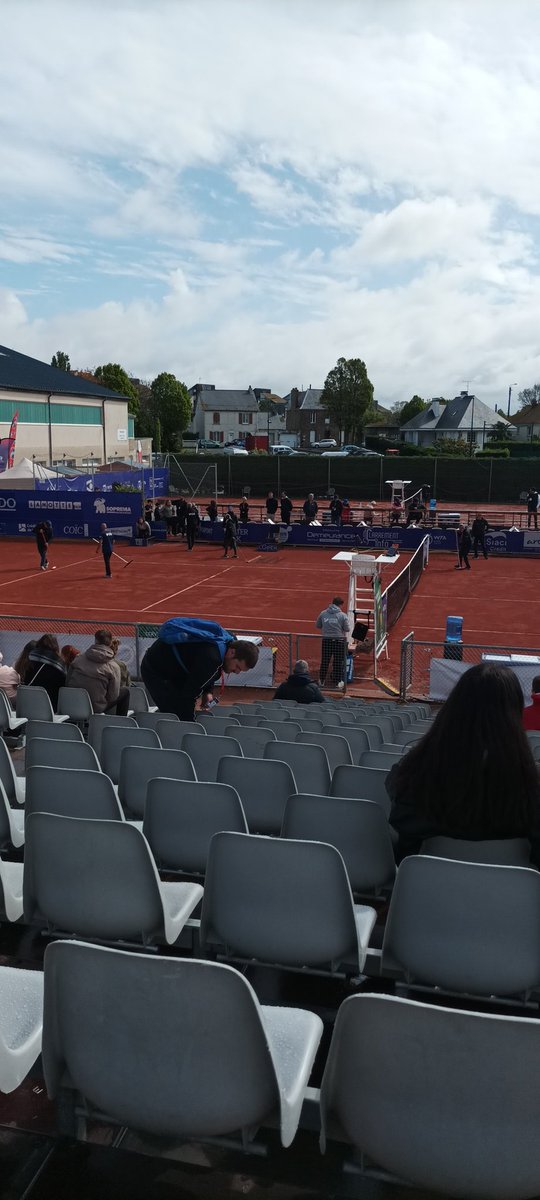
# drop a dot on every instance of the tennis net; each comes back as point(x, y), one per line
point(397, 593)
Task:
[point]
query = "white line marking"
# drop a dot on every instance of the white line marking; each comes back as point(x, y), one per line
point(38, 574)
point(186, 589)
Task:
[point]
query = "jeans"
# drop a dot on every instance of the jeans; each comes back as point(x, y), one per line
point(107, 561)
point(479, 541)
point(333, 650)
point(534, 516)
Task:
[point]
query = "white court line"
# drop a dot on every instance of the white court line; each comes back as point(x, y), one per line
point(248, 560)
point(38, 574)
point(199, 583)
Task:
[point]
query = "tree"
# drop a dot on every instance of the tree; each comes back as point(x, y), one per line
point(530, 395)
point(411, 409)
point(113, 376)
point(499, 433)
point(348, 397)
point(171, 405)
point(61, 361)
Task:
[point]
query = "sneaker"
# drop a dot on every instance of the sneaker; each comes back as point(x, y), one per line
point(340, 685)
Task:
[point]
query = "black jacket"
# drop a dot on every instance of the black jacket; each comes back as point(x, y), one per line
point(479, 527)
point(48, 671)
point(311, 509)
point(199, 667)
point(271, 506)
point(286, 509)
point(464, 541)
point(300, 688)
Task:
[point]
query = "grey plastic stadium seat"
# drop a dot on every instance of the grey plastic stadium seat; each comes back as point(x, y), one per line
point(11, 891)
point(138, 700)
point(252, 740)
point(446, 1099)
point(502, 852)
point(250, 719)
point(327, 715)
point(228, 710)
point(279, 901)
point(408, 737)
point(33, 702)
point(150, 720)
point(11, 824)
point(47, 752)
point(140, 764)
point(49, 729)
point(98, 879)
point(114, 741)
point(74, 703)
point(535, 747)
point(285, 731)
point(206, 755)
point(71, 793)
point(181, 818)
point(337, 748)
point(382, 760)
point(357, 738)
point(357, 828)
point(9, 722)
point(216, 726)
point(217, 1061)
point(361, 783)
point(101, 721)
point(384, 724)
point(374, 734)
point(309, 765)
point(171, 733)
point(21, 1022)
point(13, 784)
point(273, 712)
point(464, 926)
point(309, 726)
point(263, 787)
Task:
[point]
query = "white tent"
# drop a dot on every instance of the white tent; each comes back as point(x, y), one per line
point(23, 475)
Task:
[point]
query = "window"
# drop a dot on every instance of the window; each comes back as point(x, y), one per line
point(313, 417)
point(216, 435)
point(36, 412)
point(216, 418)
point(245, 418)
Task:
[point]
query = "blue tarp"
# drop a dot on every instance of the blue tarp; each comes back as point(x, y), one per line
point(156, 482)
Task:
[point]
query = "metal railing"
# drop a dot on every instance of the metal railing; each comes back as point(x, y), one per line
point(419, 676)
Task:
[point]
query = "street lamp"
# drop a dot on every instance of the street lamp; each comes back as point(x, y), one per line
point(510, 397)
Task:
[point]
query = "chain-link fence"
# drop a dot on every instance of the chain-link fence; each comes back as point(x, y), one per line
point(429, 670)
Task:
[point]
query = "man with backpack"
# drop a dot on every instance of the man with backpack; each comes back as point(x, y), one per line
point(187, 658)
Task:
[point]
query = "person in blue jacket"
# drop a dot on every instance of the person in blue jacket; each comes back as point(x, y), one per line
point(106, 544)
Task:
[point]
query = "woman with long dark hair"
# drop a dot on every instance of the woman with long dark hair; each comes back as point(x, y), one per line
point(46, 668)
point(472, 775)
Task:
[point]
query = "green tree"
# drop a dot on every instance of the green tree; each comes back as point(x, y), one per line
point(411, 409)
point(113, 376)
point(530, 395)
point(171, 404)
point(499, 433)
point(348, 397)
point(61, 361)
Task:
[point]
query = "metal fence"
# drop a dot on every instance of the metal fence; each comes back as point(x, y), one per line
point(422, 664)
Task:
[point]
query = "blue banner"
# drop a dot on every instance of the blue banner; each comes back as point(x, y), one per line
point(156, 482)
point(70, 517)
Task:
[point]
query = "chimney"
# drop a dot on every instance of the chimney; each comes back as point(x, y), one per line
point(435, 408)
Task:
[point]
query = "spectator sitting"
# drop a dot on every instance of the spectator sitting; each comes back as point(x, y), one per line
point(531, 714)
point(125, 678)
point(368, 514)
point(472, 775)
point(9, 681)
point(142, 528)
point(45, 667)
point(21, 663)
point(68, 653)
point(300, 687)
point(96, 671)
point(396, 513)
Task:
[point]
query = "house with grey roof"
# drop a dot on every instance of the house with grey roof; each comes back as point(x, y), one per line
point(229, 414)
point(62, 417)
point(465, 417)
point(526, 423)
point(307, 418)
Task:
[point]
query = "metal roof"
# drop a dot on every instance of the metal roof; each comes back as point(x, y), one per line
point(20, 373)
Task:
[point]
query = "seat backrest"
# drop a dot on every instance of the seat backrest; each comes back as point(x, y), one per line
point(328, 716)
point(361, 783)
point(7, 773)
point(474, 1085)
point(382, 760)
point(229, 710)
point(114, 741)
point(337, 748)
point(385, 724)
point(407, 737)
point(91, 878)
point(309, 765)
point(252, 740)
point(279, 901)
point(465, 926)
point(181, 818)
point(6, 711)
point(309, 726)
point(101, 721)
point(206, 755)
point(71, 793)
point(33, 702)
point(357, 828)
point(171, 733)
point(274, 712)
point(502, 852)
point(48, 752)
point(250, 719)
point(150, 720)
point(5, 826)
point(138, 699)
point(357, 738)
point(207, 1011)
point(374, 734)
point(263, 787)
point(285, 731)
point(216, 726)
point(140, 764)
point(61, 731)
point(74, 702)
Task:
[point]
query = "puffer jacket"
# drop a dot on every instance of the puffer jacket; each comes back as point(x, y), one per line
point(47, 670)
point(98, 672)
point(300, 688)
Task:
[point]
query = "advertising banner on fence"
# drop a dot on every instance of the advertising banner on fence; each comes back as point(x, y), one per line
point(156, 482)
point(70, 517)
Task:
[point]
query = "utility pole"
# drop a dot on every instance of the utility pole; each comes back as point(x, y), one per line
point(510, 397)
point(467, 383)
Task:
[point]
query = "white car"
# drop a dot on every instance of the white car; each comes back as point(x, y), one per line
point(235, 450)
point(282, 450)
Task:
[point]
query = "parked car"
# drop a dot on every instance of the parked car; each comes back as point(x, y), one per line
point(234, 450)
point(362, 452)
point(206, 444)
point(286, 450)
point(235, 442)
point(324, 444)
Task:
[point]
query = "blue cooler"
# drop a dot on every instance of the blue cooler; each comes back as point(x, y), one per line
point(453, 638)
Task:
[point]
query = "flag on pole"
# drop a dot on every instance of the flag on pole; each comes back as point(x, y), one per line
point(139, 452)
point(12, 438)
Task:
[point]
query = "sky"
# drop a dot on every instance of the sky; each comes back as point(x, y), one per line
point(242, 191)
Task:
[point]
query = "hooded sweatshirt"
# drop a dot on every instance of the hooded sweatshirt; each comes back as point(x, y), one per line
point(531, 714)
point(97, 671)
point(333, 622)
point(9, 679)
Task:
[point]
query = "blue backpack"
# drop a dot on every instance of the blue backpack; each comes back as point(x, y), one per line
point(180, 630)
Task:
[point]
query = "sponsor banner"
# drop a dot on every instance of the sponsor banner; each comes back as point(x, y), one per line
point(156, 483)
point(70, 516)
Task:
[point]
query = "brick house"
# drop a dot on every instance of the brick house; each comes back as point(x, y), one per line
point(307, 418)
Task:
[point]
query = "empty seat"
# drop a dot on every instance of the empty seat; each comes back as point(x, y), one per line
point(285, 731)
point(74, 703)
point(9, 722)
point(215, 726)
point(33, 702)
point(138, 699)
point(11, 891)
point(21, 1022)
point(114, 741)
point(273, 711)
point(327, 715)
point(47, 752)
point(181, 818)
point(309, 765)
point(337, 748)
point(361, 783)
point(502, 852)
point(97, 879)
point(228, 710)
point(373, 732)
point(382, 760)
point(171, 733)
point(308, 726)
point(150, 720)
point(250, 719)
point(11, 824)
point(357, 828)
point(279, 901)
point(207, 755)
point(217, 1062)
point(140, 764)
point(12, 783)
point(357, 738)
point(466, 927)
point(407, 737)
point(263, 787)
point(445, 1099)
point(101, 721)
point(251, 739)
point(71, 793)
point(49, 729)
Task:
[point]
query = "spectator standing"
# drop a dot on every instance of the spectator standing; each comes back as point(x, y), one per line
point(149, 510)
point(299, 686)
point(244, 511)
point(464, 547)
point(212, 510)
point(336, 509)
point(105, 544)
point(181, 514)
point(230, 527)
point(46, 668)
point(41, 532)
point(286, 508)
point(346, 513)
point(168, 516)
point(479, 529)
point(97, 671)
point(177, 674)
point(334, 625)
point(532, 507)
point(192, 525)
point(310, 509)
point(9, 681)
point(271, 505)
point(531, 714)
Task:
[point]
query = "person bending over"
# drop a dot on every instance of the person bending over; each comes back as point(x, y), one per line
point(299, 686)
point(177, 674)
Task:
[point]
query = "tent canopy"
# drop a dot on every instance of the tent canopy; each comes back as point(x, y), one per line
point(23, 474)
